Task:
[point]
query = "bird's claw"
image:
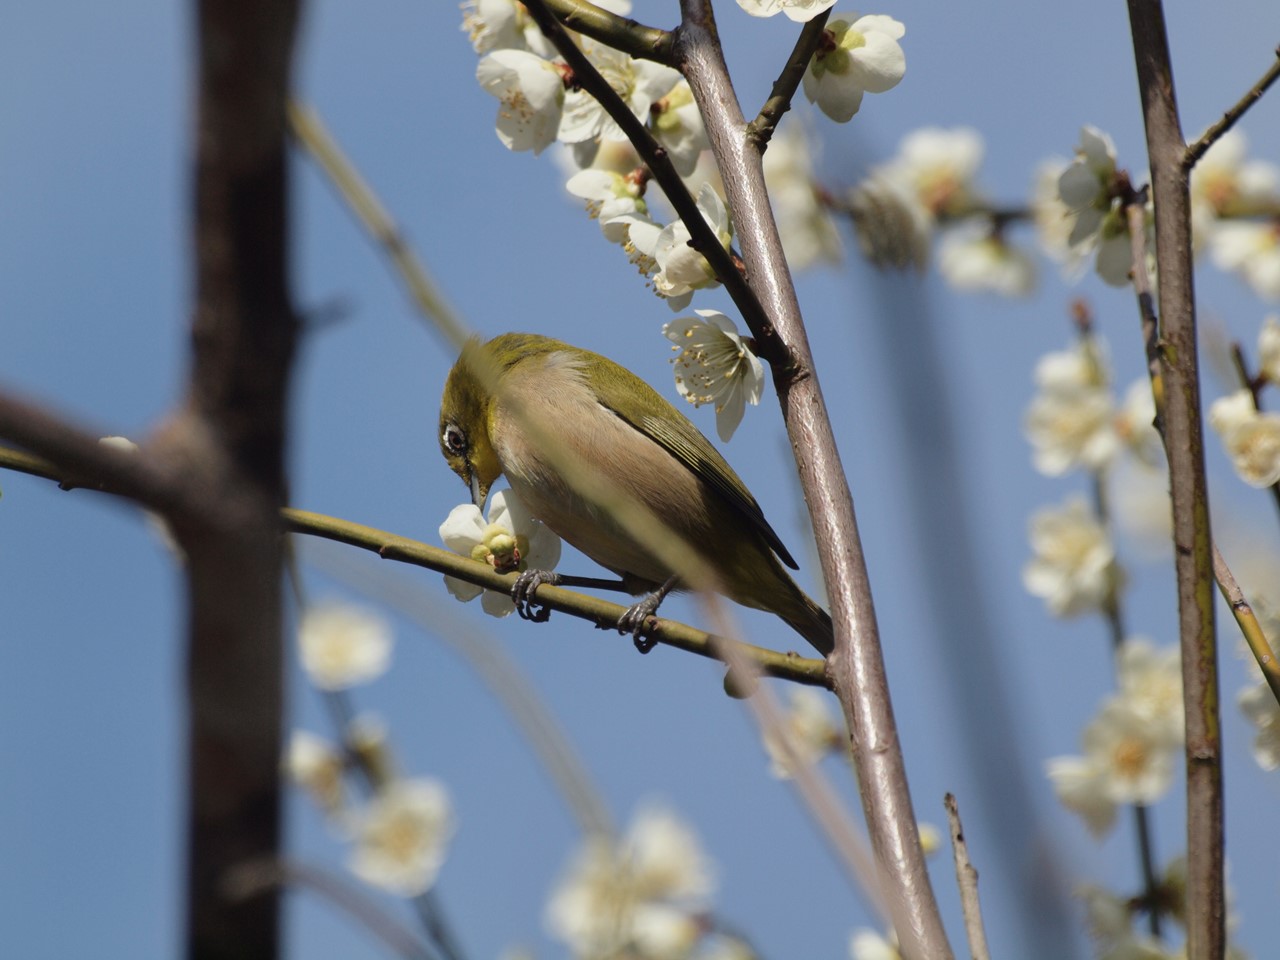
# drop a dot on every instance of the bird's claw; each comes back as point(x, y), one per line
point(522, 595)
point(639, 621)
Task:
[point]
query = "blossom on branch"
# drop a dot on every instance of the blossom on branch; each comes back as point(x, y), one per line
point(343, 645)
point(1074, 568)
point(531, 97)
point(510, 541)
point(857, 55)
point(801, 11)
point(714, 365)
point(401, 836)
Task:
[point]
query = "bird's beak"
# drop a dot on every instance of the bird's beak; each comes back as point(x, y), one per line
point(479, 492)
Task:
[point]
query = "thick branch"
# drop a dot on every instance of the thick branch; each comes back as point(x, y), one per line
point(1181, 420)
point(857, 665)
point(229, 443)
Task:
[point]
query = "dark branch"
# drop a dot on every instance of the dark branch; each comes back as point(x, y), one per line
point(1211, 136)
point(760, 130)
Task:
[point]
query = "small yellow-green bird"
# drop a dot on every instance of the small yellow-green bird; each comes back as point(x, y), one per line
point(642, 446)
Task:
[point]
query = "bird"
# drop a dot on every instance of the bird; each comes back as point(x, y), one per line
point(506, 398)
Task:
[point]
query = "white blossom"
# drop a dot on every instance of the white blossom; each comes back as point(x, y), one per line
point(893, 228)
point(808, 233)
point(640, 83)
point(939, 166)
point(1074, 567)
point(1269, 349)
point(713, 365)
point(1251, 250)
point(1251, 438)
point(1085, 185)
point(510, 541)
point(1150, 684)
point(503, 25)
point(974, 259)
point(642, 894)
point(1261, 709)
point(809, 731)
point(867, 944)
point(316, 764)
point(1053, 219)
point(857, 55)
point(1070, 422)
point(677, 125)
point(613, 199)
point(801, 11)
point(680, 269)
point(401, 836)
point(531, 96)
point(343, 645)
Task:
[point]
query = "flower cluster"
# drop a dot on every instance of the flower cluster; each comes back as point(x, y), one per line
point(640, 896)
point(400, 832)
point(1130, 746)
point(1235, 212)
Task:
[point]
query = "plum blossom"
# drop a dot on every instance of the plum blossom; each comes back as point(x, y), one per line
point(893, 228)
point(680, 269)
point(810, 734)
point(807, 231)
point(640, 83)
point(1074, 565)
point(511, 540)
point(857, 55)
point(714, 365)
point(974, 258)
point(1070, 421)
point(800, 11)
point(343, 645)
point(1251, 438)
point(401, 836)
point(531, 97)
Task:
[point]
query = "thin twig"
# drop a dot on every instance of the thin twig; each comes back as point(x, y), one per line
point(857, 664)
point(760, 130)
point(1184, 447)
point(309, 130)
point(967, 881)
point(1254, 635)
point(1197, 150)
point(253, 879)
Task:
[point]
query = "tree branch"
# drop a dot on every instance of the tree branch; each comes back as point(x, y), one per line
point(621, 33)
point(1211, 136)
point(1206, 932)
point(760, 130)
point(857, 665)
point(702, 237)
point(967, 882)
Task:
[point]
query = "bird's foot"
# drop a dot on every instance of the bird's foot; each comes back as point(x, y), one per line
point(637, 619)
point(522, 594)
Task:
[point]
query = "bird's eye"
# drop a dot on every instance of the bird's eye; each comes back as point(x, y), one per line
point(453, 439)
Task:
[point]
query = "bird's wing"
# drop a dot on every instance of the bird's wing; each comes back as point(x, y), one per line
point(634, 401)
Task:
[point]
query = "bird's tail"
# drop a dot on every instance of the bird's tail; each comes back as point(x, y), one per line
point(813, 623)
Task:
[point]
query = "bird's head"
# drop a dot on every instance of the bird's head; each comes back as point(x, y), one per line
point(464, 421)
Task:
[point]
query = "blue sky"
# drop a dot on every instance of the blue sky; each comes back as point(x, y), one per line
point(95, 294)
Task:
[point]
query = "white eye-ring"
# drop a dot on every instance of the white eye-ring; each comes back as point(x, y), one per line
point(453, 439)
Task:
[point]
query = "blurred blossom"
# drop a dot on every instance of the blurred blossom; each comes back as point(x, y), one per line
point(1252, 439)
point(1253, 251)
point(1074, 568)
point(510, 541)
point(930, 838)
point(811, 733)
point(714, 365)
point(808, 234)
point(1053, 218)
point(868, 945)
point(1225, 184)
point(503, 25)
point(1261, 709)
point(801, 11)
point(939, 166)
point(1141, 508)
point(315, 764)
point(1135, 424)
point(1269, 349)
point(401, 836)
point(973, 258)
point(1150, 684)
point(1070, 422)
point(641, 896)
point(893, 228)
point(1110, 920)
point(1127, 760)
point(855, 56)
point(343, 645)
